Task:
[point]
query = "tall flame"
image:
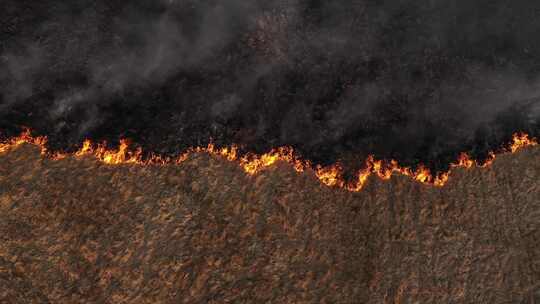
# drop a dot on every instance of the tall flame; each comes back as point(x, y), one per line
point(520, 141)
point(252, 164)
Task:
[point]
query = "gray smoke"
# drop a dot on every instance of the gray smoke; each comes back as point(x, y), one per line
point(398, 78)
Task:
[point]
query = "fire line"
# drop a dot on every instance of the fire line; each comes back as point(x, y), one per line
point(252, 164)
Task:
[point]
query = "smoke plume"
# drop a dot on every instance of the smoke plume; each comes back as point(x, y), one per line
point(337, 80)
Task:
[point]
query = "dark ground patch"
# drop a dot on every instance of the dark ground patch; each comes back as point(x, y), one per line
point(337, 81)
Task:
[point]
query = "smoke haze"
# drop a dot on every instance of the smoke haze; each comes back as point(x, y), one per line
point(337, 80)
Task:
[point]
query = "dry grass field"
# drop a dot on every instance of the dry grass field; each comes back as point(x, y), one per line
point(76, 230)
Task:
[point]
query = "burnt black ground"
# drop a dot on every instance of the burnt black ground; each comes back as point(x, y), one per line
point(337, 81)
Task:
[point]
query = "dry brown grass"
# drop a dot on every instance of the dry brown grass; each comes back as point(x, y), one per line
point(79, 231)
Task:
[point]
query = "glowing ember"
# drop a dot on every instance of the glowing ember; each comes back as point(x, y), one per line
point(490, 159)
point(441, 179)
point(252, 164)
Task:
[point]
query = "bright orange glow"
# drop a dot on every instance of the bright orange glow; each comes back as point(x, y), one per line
point(252, 164)
point(24, 138)
point(441, 179)
point(464, 160)
point(361, 180)
point(112, 157)
point(520, 141)
point(330, 176)
point(491, 158)
point(85, 149)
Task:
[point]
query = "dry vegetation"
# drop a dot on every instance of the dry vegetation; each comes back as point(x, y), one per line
point(79, 231)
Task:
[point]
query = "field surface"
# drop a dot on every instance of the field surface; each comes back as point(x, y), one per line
point(79, 231)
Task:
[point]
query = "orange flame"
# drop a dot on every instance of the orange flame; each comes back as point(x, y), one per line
point(25, 138)
point(330, 176)
point(252, 164)
point(464, 160)
point(112, 157)
point(520, 141)
point(491, 158)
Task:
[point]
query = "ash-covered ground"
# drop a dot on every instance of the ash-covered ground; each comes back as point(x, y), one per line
point(337, 80)
point(79, 231)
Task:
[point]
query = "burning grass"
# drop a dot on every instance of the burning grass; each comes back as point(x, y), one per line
point(252, 163)
point(81, 230)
